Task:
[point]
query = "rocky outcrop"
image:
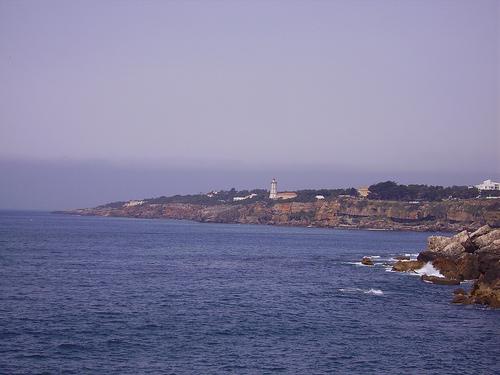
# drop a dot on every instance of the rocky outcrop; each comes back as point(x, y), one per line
point(342, 212)
point(439, 280)
point(407, 265)
point(367, 261)
point(402, 257)
point(467, 256)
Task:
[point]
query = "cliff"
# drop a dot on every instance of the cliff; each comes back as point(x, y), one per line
point(345, 212)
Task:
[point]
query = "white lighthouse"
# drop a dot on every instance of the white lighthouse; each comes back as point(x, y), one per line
point(273, 194)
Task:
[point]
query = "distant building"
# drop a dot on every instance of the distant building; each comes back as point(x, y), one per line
point(133, 203)
point(273, 194)
point(245, 197)
point(319, 197)
point(363, 191)
point(274, 189)
point(489, 185)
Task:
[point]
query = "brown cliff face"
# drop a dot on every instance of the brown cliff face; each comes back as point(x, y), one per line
point(339, 213)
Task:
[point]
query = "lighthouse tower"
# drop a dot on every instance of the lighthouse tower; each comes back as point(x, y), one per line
point(274, 189)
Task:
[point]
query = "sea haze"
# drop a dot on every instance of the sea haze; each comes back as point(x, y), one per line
point(110, 295)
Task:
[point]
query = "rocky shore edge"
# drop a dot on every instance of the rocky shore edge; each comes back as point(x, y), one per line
point(342, 213)
point(465, 256)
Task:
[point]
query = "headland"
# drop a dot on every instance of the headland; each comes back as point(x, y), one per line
point(383, 206)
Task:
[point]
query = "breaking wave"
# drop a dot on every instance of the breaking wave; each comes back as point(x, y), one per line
point(376, 292)
point(429, 270)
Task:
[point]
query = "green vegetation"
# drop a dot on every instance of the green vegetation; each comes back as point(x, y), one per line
point(390, 190)
point(223, 196)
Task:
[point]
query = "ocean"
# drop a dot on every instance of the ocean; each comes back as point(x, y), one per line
point(94, 295)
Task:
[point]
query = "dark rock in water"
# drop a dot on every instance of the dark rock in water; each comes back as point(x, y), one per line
point(407, 265)
point(440, 280)
point(427, 256)
point(402, 257)
point(367, 261)
point(461, 298)
point(485, 293)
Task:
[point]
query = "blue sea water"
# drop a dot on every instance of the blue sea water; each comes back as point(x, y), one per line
point(90, 295)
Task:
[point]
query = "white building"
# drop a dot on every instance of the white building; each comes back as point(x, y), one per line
point(133, 203)
point(320, 197)
point(245, 197)
point(489, 185)
point(273, 194)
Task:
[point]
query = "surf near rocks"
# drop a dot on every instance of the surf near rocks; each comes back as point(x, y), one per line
point(465, 256)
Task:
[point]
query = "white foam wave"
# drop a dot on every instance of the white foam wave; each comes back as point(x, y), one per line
point(429, 270)
point(376, 292)
point(356, 264)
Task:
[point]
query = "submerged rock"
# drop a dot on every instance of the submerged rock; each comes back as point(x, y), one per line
point(407, 265)
point(460, 296)
point(402, 257)
point(440, 280)
point(367, 261)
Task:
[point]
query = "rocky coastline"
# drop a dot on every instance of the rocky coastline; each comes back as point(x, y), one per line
point(465, 256)
point(345, 212)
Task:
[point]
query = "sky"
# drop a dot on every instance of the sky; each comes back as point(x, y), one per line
point(113, 100)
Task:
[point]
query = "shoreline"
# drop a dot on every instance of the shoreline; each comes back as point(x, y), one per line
point(343, 213)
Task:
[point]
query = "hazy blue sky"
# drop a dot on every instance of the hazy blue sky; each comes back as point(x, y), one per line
point(110, 100)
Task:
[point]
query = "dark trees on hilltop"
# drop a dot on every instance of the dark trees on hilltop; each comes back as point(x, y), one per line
point(390, 190)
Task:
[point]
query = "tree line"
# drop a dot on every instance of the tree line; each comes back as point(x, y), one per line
point(390, 190)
